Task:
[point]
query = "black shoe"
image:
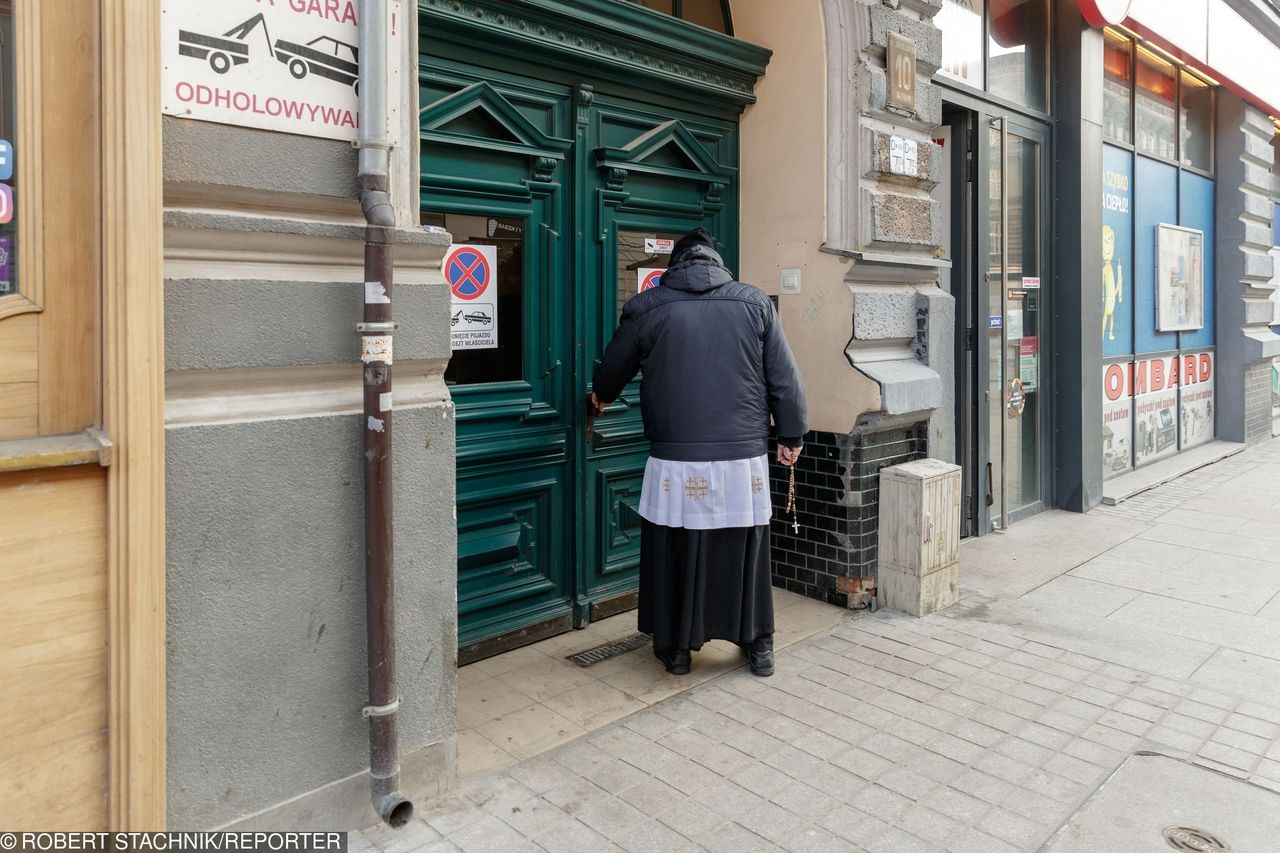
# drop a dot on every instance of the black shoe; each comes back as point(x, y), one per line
point(676, 661)
point(760, 656)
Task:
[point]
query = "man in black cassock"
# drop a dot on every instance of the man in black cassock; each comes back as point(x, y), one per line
point(716, 368)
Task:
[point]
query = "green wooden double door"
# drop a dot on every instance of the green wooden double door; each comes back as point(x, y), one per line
point(565, 190)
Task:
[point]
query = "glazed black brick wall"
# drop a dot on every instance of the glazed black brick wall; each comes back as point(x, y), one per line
point(837, 506)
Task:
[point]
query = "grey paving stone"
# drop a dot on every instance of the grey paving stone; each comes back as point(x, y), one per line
point(573, 837)
point(486, 835)
point(611, 817)
point(907, 782)
point(807, 802)
point(1242, 740)
point(732, 838)
point(814, 839)
point(691, 819)
point(880, 801)
point(984, 786)
point(1013, 829)
point(652, 836)
point(534, 817)
point(863, 763)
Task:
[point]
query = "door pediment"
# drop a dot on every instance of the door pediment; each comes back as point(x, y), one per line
point(669, 150)
point(479, 116)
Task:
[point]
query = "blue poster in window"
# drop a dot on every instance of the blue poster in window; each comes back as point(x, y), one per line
point(1156, 203)
point(1115, 275)
point(1196, 203)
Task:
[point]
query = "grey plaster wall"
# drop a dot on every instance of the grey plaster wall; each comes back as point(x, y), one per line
point(253, 323)
point(220, 155)
point(266, 621)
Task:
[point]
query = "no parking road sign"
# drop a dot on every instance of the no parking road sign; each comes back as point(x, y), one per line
point(648, 278)
point(472, 272)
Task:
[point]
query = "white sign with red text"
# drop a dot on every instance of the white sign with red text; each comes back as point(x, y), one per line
point(1160, 425)
point(283, 65)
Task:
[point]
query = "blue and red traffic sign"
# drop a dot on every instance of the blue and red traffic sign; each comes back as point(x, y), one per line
point(652, 280)
point(468, 273)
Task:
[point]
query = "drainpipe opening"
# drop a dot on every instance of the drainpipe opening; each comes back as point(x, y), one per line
point(395, 810)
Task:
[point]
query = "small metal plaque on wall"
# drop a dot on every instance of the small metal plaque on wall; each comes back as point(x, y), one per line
point(900, 62)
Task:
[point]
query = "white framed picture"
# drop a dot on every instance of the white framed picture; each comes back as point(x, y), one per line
point(1179, 278)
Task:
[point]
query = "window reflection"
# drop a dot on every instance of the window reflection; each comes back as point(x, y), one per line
point(1018, 44)
point(1154, 116)
point(961, 25)
point(1117, 81)
point(1197, 122)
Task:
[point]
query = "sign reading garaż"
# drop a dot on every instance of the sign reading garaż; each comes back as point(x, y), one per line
point(284, 65)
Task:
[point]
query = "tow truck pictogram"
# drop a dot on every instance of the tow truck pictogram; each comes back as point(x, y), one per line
point(225, 51)
point(323, 56)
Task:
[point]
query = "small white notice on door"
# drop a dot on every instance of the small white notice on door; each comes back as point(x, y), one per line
point(658, 245)
point(471, 272)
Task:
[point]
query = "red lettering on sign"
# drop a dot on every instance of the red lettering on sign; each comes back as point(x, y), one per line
point(1206, 366)
point(342, 11)
point(1157, 374)
point(1188, 370)
point(1115, 382)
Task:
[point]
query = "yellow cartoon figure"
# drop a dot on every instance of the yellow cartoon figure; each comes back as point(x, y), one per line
point(1112, 282)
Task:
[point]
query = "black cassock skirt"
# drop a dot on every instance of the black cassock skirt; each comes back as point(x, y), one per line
point(700, 585)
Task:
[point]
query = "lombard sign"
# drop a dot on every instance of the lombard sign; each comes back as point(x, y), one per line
point(283, 65)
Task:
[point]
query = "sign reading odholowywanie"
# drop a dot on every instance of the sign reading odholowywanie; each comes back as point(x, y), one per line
point(283, 65)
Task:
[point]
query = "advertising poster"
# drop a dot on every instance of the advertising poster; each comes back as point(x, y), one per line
point(1196, 404)
point(287, 65)
point(1115, 273)
point(1155, 398)
point(1117, 418)
point(1179, 278)
point(471, 272)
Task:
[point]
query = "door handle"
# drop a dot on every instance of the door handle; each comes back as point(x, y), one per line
point(550, 370)
point(990, 498)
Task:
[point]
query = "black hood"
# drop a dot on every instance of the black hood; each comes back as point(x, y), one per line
point(696, 268)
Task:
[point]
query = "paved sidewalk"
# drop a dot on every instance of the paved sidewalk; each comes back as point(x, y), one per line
point(1153, 626)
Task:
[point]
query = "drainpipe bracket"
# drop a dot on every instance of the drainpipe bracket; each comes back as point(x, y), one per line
point(380, 328)
point(381, 710)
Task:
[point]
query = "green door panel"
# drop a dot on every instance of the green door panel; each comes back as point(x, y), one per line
point(570, 177)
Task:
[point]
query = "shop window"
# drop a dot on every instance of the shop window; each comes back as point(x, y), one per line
point(1197, 122)
point(1117, 86)
point(8, 111)
point(1154, 116)
point(1018, 45)
point(712, 14)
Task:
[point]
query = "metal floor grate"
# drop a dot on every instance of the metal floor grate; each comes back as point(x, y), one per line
point(609, 650)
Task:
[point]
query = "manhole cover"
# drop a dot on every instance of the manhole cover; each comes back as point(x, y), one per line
point(1190, 838)
point(610, 650)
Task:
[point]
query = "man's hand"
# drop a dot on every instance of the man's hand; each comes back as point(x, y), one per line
point(788, 455)
point(594, 406)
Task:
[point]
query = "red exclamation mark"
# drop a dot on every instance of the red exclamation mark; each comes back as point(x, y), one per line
point(393, 24)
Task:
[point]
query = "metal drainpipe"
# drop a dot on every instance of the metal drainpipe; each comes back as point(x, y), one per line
point(376, 355)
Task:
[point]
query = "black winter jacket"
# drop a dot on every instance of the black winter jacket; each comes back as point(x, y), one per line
point(716, 365)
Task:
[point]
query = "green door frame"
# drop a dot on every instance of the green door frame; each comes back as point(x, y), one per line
point(639, 145)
